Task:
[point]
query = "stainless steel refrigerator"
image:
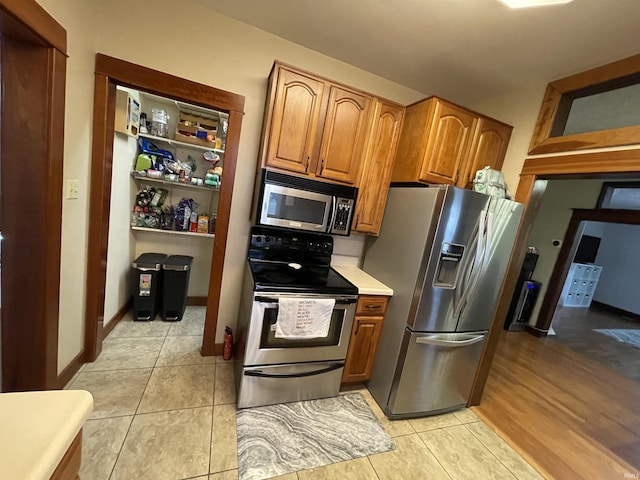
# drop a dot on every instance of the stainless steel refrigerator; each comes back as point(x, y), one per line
point(444, 252)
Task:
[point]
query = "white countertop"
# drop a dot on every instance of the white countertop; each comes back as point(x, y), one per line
point(367, 285)
point(37, 428)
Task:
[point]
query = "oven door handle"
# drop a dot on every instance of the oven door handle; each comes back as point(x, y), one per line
point(339, 301)
point(260, 373)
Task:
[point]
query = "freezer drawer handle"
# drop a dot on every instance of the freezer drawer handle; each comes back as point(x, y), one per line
point(434, 340)
point(260, 373)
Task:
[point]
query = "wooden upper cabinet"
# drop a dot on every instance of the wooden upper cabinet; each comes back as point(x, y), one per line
point(343, 135)
point(488, 148)
point(443, 143)
point(378, 164)
point(293, 125)
point(315, 127)
point(448, 144)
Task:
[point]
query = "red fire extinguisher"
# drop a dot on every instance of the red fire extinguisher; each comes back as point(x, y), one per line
point(228, 343)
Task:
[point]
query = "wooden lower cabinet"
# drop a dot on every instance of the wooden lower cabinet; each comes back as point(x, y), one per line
point(365, 336)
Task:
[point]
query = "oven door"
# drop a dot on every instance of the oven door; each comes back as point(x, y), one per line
point(263, 348)
point(294, 208)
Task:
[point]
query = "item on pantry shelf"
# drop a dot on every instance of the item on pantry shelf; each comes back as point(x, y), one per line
point(203, 223)
point(154, 173)
point(143, 123)
point(147, 147)
point(182, 214)
point(159, 197)
point(159, 120)
point(144, 162)
point(190, 162)
point(211, 157)
point(151, 197)
point(171, 177)
point(166, 217)
point(212, 222)
point(193, 222)
point(211, 179)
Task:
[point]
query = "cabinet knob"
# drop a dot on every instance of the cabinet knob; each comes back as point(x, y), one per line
point(357, 220)
point(357, 327)
point(306, 168)
point(321, 165)
point(373, 307)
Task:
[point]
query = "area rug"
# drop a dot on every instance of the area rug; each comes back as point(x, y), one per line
point(624, 335)
point(279, 439)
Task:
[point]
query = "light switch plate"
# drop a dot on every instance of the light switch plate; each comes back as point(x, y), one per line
point(73, 189)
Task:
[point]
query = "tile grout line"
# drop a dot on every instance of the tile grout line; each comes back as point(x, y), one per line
point(446, 472)
point(373, 467)
point(492, 452)
point(213, 413)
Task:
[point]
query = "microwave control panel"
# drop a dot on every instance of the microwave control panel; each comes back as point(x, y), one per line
point(342, 218)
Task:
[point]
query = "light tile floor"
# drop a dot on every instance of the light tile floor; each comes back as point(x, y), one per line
point(162, 411)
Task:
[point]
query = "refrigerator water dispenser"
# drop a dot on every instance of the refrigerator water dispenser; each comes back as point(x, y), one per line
point(448, 262)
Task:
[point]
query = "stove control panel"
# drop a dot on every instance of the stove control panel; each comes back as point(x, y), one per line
point(282, 240)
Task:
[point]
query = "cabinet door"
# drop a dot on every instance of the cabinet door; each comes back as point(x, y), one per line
point(373, 186)
point(448, 144)
point(362, 349)
point(294, 123)
point(488, 148)
point(344, 135)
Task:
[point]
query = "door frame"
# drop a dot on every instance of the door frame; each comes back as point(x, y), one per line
point(563, 263)
point(34, 47)
point(533, 180)
point(110, 72)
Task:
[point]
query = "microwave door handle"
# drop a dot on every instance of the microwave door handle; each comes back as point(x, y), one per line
point(332, 219)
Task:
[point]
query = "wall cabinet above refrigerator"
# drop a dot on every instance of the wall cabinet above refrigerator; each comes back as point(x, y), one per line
point(444, 143)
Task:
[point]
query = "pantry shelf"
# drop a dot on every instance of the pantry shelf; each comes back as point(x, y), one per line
point(177, 143)
point(144, 178)
point(173, 232)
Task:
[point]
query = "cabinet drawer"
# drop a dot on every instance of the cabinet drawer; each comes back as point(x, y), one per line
point(372, 305)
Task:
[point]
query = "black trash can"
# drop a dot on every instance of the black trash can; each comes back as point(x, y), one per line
point(175, 285)
point(147, 285)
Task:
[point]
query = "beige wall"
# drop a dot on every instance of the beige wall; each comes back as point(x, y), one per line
point(78, 18)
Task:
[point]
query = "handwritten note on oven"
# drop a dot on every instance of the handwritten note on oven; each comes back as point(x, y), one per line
point(304, 317)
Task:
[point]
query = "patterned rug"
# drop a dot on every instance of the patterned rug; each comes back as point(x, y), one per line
point(624, 335)
point(279, 439)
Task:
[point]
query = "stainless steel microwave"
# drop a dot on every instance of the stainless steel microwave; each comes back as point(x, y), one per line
point(304, 204)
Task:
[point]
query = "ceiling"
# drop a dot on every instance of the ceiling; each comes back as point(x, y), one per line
point(465, 50)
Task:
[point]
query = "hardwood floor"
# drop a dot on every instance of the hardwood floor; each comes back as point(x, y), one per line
point(567, 414)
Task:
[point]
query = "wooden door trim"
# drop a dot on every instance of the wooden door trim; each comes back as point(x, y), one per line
point(110, 72)
point(30, 324)
point(563, 263)
point(554, 105)
point(29, 14)
point(606, 164)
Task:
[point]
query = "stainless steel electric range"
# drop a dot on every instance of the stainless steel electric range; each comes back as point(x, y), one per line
point(289, 264)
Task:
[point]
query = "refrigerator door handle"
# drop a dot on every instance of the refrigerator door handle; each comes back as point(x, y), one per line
point(437, 340)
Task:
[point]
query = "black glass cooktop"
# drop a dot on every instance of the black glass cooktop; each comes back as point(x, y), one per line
point(298, 278)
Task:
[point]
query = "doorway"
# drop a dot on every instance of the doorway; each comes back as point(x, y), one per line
point(33, 73)
point(623, 163)
point(111, 72)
